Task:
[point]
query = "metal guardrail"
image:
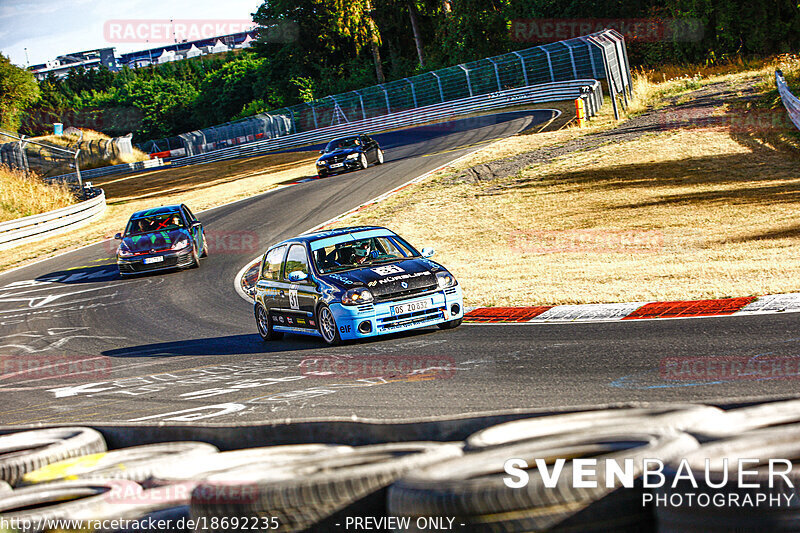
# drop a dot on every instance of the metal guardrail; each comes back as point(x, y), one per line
point(36, 227)
point(547, 92)
point(599, 55)
point(110, 170)
point(790, 101)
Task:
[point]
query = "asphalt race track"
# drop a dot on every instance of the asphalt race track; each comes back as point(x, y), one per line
point(79, 344)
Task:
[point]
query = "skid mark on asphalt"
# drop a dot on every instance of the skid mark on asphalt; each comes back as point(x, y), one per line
point(53, 338)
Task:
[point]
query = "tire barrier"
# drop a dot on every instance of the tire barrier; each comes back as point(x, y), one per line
point(137, 464)
point(320, 487)
point(312, 496)
point(21, 453)
point(723, 481)
point(472, 489)
point(679, 417)
point(226, 461)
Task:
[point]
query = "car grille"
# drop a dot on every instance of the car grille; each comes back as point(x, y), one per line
point(451, 290)
point(403, 295)
point(417, 317)
point(336, 159)
point(168, 262)
point(365, 308)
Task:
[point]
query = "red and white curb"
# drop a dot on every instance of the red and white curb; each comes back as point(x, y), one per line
point(773, 303)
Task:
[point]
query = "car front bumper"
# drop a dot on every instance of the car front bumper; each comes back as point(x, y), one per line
point(347, 164)
point(351, 319)
point(136, 264)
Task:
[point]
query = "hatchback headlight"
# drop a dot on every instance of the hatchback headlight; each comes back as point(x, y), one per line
point(357, 296)
point(353, 156)
point(180, 244)
point(124, 251)
point(320, 163)
point(445, 279)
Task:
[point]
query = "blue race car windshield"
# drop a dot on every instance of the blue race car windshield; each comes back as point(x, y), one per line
point(153, 223)
point(358, 253)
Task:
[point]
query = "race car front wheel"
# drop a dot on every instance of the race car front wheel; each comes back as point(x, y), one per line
point(327, 325)
point(264, 323)
point(450, 324)
point(363, 161)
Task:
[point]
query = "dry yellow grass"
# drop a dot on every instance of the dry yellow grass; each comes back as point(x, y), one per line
point(652, 86)
point(704, 212)
point(200, 187)
point(22, 196)
point(688, 214)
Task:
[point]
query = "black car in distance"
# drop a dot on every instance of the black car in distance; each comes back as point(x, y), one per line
point(349, 153)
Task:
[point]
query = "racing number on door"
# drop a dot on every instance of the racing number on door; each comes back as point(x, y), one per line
point(294, 303)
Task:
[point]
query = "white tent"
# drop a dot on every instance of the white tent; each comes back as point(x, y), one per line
point(218, 47)
point(166, 56)
point(246, 42)
point(193, 52)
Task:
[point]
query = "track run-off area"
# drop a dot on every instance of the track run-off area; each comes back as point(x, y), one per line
point(80, 345)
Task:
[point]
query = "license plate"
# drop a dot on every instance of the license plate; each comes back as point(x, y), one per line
point(150, 260)
point(409, 307)
point(337, 165)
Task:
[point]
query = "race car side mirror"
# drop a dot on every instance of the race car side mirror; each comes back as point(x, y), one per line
point(297, 275)
point(322, 151)
point(428, 252)
point(118, 236)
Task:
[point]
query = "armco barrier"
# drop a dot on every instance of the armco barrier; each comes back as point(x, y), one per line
point(790, 101)
point(535, 94)
point(148, 164)
point(36, 227)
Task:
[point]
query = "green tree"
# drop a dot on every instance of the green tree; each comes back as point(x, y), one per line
point(164, 104)
point(18, 88)
point(224, 92)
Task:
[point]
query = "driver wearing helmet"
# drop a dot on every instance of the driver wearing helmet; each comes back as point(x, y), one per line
point(363, 251)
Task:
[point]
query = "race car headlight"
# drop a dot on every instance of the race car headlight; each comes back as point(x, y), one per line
point(320, 163)
point(445, 279)
point(180, 244)
point(353, 156)
point(357, 296)
point(123, 251)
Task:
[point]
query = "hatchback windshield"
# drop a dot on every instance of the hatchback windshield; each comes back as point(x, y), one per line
point(339, 144)
point(354, 254)
point(149, 224)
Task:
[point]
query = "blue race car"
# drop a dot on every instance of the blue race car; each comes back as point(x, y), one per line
point(353, 283)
